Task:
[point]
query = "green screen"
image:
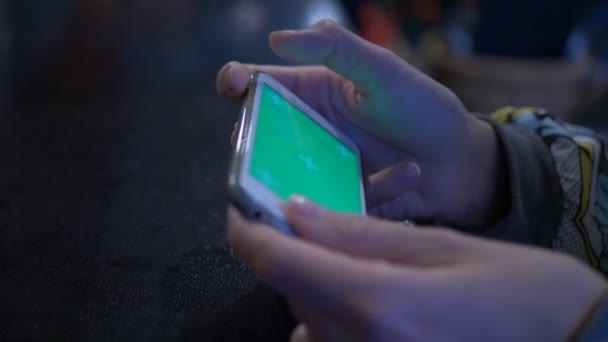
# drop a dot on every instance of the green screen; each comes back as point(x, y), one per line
point(292, 154)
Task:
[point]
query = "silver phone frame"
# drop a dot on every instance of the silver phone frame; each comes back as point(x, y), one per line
point(238, 173)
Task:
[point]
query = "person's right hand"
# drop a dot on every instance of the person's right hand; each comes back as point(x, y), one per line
point(425, 157)
point(353, 278)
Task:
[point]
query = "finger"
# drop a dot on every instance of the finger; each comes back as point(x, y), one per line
point(297, 268)
point(313, 85)
point(315, 325)
point(373, 238)
point(233, 78)
point(312, 332)
point(230, 82)
point(301, 334)
point(318, 325)
point(391, 182)
point(408, 205)
point(344, 52)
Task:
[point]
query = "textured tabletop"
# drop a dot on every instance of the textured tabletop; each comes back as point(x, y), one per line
point(113, 148)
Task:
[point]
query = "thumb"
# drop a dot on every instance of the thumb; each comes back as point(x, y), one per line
point(372, 238)
point(342, 51)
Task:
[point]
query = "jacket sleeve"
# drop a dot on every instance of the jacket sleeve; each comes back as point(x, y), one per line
point(558, 177)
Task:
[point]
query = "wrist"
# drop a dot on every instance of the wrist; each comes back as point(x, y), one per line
point(487, 199)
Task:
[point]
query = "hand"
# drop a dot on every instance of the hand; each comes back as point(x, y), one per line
point(350, 278)
point(405, 123)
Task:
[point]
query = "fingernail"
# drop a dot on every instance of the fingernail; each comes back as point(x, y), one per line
point(231, 77)
point(284, 32)
point(305, 208)
point(414, 170)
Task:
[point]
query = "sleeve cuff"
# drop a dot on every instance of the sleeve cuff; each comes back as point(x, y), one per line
point(535, 191)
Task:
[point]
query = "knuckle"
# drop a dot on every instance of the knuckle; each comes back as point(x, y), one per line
point(326, 25)
point(331, 30)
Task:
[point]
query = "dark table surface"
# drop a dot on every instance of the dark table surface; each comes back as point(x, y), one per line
point(114, 146)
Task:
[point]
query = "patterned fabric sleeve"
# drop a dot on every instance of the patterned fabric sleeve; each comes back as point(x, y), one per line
point(581, 162)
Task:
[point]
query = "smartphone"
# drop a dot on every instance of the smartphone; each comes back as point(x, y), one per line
point(284, 147)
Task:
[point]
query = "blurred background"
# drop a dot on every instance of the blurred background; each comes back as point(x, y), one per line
point(550, 54)
point(114, 143)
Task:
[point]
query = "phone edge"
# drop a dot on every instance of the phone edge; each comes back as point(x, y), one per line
point(236, 195)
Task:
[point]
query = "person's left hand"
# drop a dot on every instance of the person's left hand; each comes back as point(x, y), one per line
point(352, 278)
point(424, 157)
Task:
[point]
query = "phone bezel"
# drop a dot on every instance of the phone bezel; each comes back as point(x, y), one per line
point(251, 197)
